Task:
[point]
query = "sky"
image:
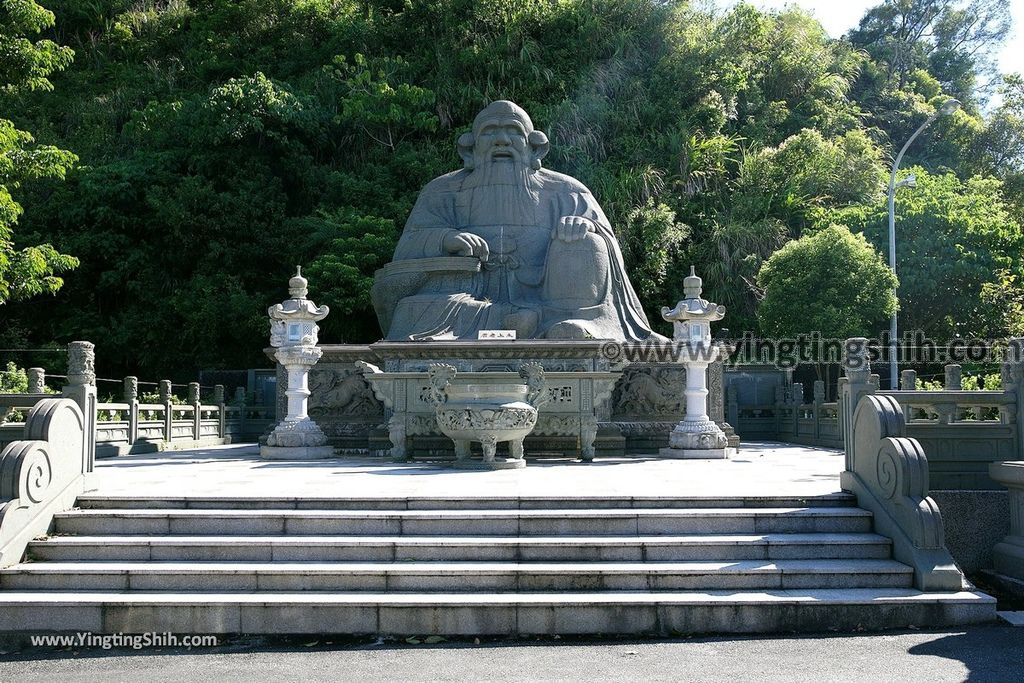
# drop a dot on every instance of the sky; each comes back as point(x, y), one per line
point(839, 16)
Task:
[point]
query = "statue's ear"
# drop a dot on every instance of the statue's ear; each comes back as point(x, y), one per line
point(540, 146)
point(465, 145)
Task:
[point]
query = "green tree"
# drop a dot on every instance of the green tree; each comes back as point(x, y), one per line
point(25, 66)
point(650, 237)
point(951, 39)
point(999, 149)
point(1004, 299)
point(921, 53)
point(343, 272)
point(807, 171)
point(832, 282)
point(953, 238)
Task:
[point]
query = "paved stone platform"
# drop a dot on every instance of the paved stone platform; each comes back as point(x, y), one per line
point(758, 470)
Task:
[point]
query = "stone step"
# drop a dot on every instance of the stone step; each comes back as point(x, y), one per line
point(97, 502)
point(481, 614)
point(462, 548)
point(643, 521)
point(461, 577)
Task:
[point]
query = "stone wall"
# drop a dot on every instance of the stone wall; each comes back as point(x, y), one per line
point(975, 521)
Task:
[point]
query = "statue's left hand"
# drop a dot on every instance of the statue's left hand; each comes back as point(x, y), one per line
point(572, 228)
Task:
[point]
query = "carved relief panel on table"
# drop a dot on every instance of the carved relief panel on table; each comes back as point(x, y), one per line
point(648, 391)
point(557, 425)
point(340, 391)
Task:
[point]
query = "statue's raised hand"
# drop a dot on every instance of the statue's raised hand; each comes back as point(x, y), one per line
point(572, 228)
point(466, 244)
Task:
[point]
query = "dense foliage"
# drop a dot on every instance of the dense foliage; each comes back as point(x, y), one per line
point(831, 282)
point(956, 239)
point(224, 141)
point(25, 66)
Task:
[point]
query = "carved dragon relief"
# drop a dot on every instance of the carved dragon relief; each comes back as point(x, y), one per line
point(650, 391)
point(341, 392)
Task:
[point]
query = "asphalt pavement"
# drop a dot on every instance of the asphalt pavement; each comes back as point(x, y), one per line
point(983, 653)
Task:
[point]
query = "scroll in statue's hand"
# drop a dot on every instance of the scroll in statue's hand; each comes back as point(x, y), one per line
point(466, 244)
point(572, 228)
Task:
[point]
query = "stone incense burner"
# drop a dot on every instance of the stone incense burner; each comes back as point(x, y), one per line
point(487, 413)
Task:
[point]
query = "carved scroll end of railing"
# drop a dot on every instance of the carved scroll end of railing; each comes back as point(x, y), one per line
point(890, 478)
point(901, 478)
point(383, 389)
point(40, 475)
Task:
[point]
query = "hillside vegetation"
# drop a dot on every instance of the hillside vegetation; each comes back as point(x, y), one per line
point(221, 142)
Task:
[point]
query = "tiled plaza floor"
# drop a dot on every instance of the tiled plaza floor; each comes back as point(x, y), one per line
point(759, 469)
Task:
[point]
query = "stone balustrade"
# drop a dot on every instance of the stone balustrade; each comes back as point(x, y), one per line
point(962, 431)
point(133, 427)
point(888, 471)
point(130, 426)
point(936, 449)
point(789, 418)
point(43, 468)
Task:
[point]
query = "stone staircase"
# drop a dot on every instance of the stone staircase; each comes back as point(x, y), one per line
point(481, 566)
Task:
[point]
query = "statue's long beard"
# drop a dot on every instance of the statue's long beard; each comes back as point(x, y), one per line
point(503, 193)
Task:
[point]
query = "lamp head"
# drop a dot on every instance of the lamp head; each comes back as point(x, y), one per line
point(909, 181)
point(949, 107)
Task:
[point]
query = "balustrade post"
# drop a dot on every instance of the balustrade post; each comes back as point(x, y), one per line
point(779, 406)
point(1012, 372)
point(242, 413)
point(197, 414)
point(732, 406)
point(81, 388)
point(218, 400)
point(797, 398)
point(1008, 555)
point(908, 380)
point(165, 399)
point(859, 382)
point(818, 390)
point(953, 381)
point(36, 381)
point(131, 397)
point(954, 378)
point(841, 387)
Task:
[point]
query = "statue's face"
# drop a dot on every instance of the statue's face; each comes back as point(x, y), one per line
point(501, 140)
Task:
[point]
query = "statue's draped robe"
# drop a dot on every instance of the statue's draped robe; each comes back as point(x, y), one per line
point(529, 276)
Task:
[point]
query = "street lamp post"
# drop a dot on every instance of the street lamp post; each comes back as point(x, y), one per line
point(946, 109)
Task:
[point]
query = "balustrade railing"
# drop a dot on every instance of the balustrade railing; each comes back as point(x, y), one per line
point(900, 446)
point(131, 426)
point(961, 430)
point(788, 418)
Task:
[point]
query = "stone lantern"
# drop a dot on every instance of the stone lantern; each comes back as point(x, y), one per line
point(696, 436)
point(293, 332)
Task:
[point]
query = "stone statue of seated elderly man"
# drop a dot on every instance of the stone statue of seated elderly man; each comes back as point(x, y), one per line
point(503, 244)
